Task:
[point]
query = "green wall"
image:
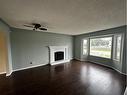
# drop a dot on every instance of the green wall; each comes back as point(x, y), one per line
point(3, 26)
point(31, 46)
point(103, 61)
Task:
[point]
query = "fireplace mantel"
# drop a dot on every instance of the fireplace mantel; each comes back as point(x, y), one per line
point(53, 49)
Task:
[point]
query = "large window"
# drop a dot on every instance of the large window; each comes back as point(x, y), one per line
point(85, 47)
point(101, 47)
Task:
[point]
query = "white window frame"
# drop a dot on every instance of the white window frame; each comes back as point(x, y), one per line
point(87, 46)
point(102, 36)
point(83, 57)
point(115, 48)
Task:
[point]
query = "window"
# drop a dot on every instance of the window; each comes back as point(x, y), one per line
point(101, 47)
point(118, 45)
point(104, 46)
point(85, 47)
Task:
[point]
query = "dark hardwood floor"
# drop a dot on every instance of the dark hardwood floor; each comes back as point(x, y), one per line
point(74, 78)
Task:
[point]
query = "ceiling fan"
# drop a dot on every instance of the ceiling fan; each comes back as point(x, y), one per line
point(36, 26)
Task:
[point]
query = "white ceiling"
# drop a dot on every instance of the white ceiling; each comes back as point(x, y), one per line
point(65, 16)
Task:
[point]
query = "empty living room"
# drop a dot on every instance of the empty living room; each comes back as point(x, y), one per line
point(63, 47)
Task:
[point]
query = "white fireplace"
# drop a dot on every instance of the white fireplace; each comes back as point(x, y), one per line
point(58, 54)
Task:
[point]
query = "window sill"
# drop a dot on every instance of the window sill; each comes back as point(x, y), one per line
point(100, 57)
point(117, 61)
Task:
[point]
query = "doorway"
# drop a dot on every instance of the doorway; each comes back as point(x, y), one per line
point(3, 52)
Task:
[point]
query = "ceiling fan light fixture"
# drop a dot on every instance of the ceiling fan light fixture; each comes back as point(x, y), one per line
point(36, 26)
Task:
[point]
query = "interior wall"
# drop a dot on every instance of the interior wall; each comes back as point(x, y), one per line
point(125, 66)
point(3, 52)
point(103, 61)
point(21, 39)
point(31, 46)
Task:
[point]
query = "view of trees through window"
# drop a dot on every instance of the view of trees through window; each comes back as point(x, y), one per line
point(101, 47)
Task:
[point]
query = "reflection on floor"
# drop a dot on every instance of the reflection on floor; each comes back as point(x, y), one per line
point(74, 78)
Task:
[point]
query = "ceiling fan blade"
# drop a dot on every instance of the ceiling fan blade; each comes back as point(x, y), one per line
point(43, 29)
point(28, 26)
point(34, 23)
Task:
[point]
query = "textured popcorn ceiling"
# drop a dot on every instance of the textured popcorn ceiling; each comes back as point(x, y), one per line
point(65, 16)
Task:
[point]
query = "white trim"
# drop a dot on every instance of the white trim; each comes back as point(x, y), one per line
point(58, 62)
point(105, 35)
point(77, 59)
point(84, 56)
point(102, 36)
point(8, 74)
point(9, 65)
point(53, 49)
point(29, 67)
point(71, 59)
point(115, 49)
point(125, 93)
point(103, 65)
point(109, 67)
point(2, 73)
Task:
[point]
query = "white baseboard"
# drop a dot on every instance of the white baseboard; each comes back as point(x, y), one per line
point(109, 67)
point(54, 64)
point(103, 65)
point(2, 73)
point(77, 59)
point(60, 62)
point(8, 74)
point(80, 59)
point(28, 67)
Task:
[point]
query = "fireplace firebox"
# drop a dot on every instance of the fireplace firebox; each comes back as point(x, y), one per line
point(59, 55)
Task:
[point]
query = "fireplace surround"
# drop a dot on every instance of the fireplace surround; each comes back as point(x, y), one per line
point(58, 54)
